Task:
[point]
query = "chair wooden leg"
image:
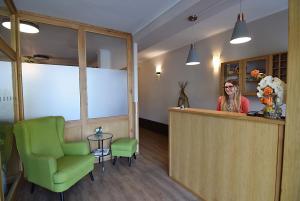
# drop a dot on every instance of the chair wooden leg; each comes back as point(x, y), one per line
point(32, 188)
point(115, 160)
point(91, 176)
point(61, 195)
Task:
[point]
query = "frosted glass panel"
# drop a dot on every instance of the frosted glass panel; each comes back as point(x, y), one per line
point(107, 92)
point(51, 90)
point(6, 92)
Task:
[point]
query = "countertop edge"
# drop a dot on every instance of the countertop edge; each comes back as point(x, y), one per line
point(230, 115)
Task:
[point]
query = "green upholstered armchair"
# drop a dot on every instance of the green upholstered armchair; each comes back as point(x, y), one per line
point(49, 161)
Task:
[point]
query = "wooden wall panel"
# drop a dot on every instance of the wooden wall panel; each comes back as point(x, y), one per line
point(118, 126)
point(291, 161)
point(73, 130)
point(223, 159)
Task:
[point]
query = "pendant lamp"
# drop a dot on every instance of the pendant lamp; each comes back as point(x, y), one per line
point(192, 58)
point(240, 32)
point(25, 27)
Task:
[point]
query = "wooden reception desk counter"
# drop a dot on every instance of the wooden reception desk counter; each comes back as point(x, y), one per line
point(223, 156)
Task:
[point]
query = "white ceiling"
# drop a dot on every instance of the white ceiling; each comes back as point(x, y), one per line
point(214, 16)
point(124, 15)
point(158, 26)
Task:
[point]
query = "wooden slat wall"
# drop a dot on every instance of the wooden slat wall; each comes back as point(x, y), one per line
point(291, 161)
point(225, 159)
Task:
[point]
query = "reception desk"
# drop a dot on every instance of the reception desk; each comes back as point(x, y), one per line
point(223, 156)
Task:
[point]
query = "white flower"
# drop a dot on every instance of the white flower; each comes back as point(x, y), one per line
point(276, 84)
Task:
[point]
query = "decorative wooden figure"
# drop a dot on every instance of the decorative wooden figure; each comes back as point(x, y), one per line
point(183, 100)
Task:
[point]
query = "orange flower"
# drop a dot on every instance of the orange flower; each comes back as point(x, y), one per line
point(267, 100)
point(255, 73)
point(262, 100)
point(268, 91)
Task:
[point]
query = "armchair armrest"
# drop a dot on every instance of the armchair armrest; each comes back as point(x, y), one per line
point(41, 169)
point(76, 148)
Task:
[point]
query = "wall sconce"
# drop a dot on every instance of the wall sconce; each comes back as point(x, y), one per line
point(216, 63)
point(158, 70)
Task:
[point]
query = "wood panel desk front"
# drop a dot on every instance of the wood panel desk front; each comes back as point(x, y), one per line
point(222, 156)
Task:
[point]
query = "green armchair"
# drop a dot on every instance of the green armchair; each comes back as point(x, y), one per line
point(49, 161)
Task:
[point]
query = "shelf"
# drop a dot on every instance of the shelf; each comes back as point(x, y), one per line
point(275, 64)
point(98, 152)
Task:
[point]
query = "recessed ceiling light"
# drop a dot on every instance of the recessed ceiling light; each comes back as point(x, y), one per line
point(25, 27)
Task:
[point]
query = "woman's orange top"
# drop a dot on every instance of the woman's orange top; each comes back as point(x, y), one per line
point(244, 108)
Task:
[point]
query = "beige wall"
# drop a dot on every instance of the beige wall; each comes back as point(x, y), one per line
point(270, 35)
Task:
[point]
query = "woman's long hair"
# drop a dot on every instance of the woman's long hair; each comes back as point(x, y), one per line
point(236, 104)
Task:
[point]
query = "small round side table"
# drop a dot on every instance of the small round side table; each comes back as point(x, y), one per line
point(100, 152)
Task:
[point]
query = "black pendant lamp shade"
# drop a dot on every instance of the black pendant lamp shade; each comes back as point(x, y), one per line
point(192, 58)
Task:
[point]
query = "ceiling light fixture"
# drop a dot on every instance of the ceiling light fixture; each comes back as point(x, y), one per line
point(192, 58)
point(41, 57)
point(25, 27)
point(240, 32)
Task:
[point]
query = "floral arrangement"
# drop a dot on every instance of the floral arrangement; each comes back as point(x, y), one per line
point(270, 93)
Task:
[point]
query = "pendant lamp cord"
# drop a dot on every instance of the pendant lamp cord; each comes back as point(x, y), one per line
point(240, 6)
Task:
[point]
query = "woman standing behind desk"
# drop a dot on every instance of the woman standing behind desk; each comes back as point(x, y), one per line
point(232, 101)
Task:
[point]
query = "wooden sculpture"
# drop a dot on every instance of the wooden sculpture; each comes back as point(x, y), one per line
point(183, 100)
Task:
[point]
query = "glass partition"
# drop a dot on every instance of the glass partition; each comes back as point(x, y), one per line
point(107, 92)
point(106, 76)
point(53, 45)
point(6, 125)
point(50, 73)
point(6, 92)
point(51, 90)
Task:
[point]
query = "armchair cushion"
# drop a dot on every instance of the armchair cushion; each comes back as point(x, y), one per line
point(68, 166)
point(76, 148)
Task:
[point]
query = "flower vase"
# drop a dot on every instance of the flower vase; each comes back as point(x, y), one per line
point(272, 111)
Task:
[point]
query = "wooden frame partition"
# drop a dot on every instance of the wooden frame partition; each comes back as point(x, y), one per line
point(85, 127)
point(290, 188)
point(12, 52)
